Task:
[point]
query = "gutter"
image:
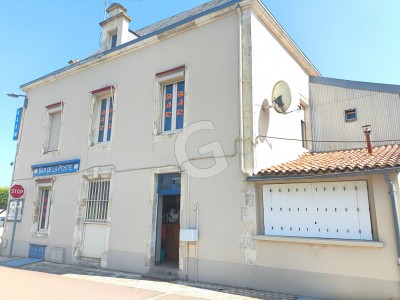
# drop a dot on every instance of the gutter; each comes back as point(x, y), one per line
point(312, 176)
point(395, 210)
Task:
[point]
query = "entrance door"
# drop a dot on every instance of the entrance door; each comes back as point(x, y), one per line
point(170, 228)
point(168, 224)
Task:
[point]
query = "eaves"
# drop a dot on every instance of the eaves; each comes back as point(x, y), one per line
point(282, 178)
point(138, 43)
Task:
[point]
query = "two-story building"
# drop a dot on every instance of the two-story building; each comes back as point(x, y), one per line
point(142, 155)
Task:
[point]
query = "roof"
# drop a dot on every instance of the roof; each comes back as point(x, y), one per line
point(182, 16)
point(338, 162)
point(163, 26)
point(357, 85)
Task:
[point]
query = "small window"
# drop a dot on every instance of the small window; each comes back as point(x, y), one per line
point(103, 111)
point(350, 115)
point(303, 134)
point(54, 134)
point(53, 127)
point(97, 201)
point(114, 40)
point(44, 209)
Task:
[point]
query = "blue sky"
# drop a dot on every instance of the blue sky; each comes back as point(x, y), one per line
point(355, 40)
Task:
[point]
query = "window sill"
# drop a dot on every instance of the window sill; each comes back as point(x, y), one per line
point(100, 146)
point(41, 234)
point(320, 241)
point(50, 153)
point(165, 135)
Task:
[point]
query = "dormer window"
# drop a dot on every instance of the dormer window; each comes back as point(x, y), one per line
point(115, 29)
point(114, 40)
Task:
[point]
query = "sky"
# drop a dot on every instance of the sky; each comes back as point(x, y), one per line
point(346, 39)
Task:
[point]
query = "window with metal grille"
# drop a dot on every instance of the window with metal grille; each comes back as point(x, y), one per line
point(97, 201)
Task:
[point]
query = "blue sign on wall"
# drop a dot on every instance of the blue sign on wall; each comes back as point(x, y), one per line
point(17, 122)
point(54, 168)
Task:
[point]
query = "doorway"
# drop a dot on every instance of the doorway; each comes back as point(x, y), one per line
point(168, 220)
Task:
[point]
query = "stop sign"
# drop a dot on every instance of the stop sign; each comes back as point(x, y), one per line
point(17, 191)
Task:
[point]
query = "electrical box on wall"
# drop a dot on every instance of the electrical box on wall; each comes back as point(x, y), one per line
point(189, 235)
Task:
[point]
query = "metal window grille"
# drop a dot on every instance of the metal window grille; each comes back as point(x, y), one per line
point(97, 201)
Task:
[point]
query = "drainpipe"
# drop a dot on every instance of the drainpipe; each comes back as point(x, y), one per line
point(395, 213)
point(242, 169)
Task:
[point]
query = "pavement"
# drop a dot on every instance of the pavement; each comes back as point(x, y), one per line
point(147, 289)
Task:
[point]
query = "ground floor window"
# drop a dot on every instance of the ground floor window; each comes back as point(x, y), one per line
point(97, 201)
point(44, 209)
point(320, 210)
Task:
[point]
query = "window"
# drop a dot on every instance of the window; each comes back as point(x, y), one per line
point(103, 111)
point(350, 115)
point(170, 101)
point(303, 134)
point(114, 40)
point(97, 201)
point(53, 127)
point(44, 209)
point(54, 135)
point(173, 106)
point(320, 210)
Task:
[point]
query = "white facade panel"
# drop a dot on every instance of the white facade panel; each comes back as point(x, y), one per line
point(378, 109)
point(322, 210)
point(271, 63)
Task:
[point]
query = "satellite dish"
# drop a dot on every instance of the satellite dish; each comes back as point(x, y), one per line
point(281, 97)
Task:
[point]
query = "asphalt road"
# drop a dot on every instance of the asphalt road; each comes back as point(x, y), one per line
point(22, 284)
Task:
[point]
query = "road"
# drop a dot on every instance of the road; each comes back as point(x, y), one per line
point(28, 284)
point(22, 284)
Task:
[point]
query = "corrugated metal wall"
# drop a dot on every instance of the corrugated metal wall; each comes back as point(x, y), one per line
point(328, 104)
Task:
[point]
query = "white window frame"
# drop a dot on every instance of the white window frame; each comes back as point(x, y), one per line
point(96, 206)
point(174, 107)
point(97, 97)
point(50, 111)
point(43, 185)
point(348, 112)
point(172, 76)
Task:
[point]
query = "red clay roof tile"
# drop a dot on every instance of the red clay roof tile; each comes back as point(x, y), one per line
point(338, 161)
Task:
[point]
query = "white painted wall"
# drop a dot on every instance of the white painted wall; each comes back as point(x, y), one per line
point(271, 63)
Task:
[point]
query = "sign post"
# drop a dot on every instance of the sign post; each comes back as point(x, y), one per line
point(16, 191)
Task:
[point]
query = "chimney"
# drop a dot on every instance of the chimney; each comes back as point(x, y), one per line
point(367, 131)
point(115, 28)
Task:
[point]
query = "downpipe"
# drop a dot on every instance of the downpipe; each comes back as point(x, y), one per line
point(242, 169)
point(395, 213)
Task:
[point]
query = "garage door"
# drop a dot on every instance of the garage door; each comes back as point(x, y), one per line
point(322, 209)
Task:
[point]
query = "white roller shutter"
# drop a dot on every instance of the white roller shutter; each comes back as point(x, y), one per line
point(323, 210)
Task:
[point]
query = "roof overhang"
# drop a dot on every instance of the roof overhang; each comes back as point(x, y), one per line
point(177, 28)
point(258, 178)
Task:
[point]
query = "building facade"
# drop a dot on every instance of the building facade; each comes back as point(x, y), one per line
point(140, 154)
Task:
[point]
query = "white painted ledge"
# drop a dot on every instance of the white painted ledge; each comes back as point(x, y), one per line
point(319, 241)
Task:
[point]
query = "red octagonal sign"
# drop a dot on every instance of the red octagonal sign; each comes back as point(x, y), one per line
point(17, 191)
